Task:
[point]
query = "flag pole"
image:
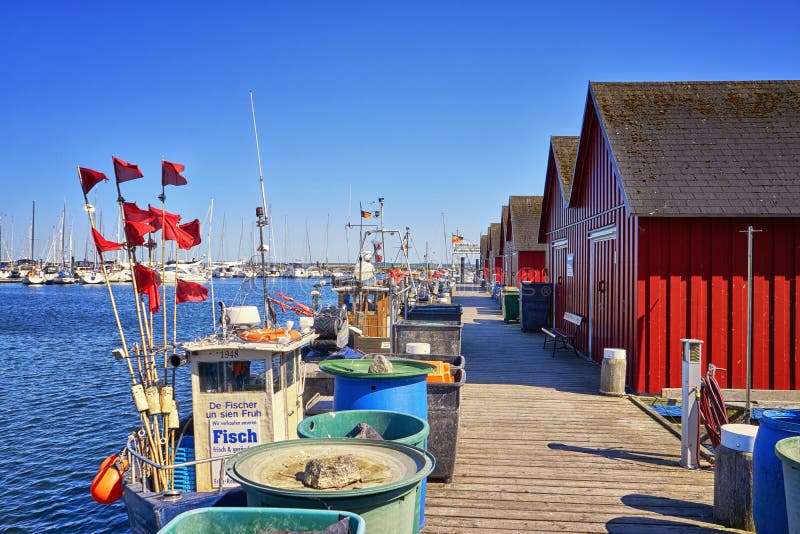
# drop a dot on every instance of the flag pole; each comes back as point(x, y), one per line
point(89, 209)
point(163, 198)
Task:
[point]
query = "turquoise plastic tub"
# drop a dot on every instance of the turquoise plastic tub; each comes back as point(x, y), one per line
point(257, 520)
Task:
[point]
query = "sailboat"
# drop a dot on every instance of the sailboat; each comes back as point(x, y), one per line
point(35, 276)
point(64, 275)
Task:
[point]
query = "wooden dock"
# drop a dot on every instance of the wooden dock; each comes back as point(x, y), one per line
point(541, 451)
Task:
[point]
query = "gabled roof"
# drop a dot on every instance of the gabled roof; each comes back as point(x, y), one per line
point(565, 149)
point(524, 215)
point(504, 227)
point(561, 164)
point(494, 239)
point(701, 148)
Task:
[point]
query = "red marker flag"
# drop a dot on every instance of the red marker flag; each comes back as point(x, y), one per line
point(134, 213)
point(90, 178)
point(190, 292)
point(103, 244)
point(135, 231)
point(190, 235)
point(171, 173)
point(147, 282)
point(125, 171)
point(170, 219)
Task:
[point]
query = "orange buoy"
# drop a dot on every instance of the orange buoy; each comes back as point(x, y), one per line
point(268, 335)
point(107, 484)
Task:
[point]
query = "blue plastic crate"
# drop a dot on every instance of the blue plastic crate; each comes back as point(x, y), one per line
point(185, 477)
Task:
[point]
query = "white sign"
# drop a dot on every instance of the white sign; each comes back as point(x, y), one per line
point(232, 427)
point(466, 248)
point(570, 264)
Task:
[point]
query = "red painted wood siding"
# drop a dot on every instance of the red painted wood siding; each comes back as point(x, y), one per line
point(531, 266)
point(692, 282)
point(598, 204)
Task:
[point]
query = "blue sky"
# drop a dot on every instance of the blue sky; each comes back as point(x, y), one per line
point(440, 107)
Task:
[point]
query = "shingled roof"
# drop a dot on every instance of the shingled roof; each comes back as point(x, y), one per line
point(525, 213)
point(504, 234)
point(704, 148)
point(494, 239)
point(565, 149)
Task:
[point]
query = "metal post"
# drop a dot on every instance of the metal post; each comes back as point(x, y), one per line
point(690, 398)
point(463, 267)
point(749, 364)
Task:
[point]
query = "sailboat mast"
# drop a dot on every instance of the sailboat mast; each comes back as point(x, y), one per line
point(33, 227)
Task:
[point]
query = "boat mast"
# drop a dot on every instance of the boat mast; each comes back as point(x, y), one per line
point(33, 229)
point(261, 215)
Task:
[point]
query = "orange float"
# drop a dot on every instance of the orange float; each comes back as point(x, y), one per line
point(106, 487)
point(268, 335)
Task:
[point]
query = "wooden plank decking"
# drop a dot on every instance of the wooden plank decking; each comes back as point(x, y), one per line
point(541, 451)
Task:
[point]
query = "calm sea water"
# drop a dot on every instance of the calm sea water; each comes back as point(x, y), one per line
point(66, 401)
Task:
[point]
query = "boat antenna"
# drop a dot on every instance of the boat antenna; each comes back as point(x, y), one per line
point(262, 221)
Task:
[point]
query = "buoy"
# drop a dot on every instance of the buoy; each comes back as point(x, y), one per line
point(106, 487)
point(270, 335)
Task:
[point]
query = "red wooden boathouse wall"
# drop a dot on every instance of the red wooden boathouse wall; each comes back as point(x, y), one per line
point(692, 282)
point(531, 266)
point(604, 266)
point(658, 280)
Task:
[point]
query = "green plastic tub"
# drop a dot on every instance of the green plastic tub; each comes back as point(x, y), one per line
point(258, 520)
point(386, 501)
point(393, 426)
point(788, 451)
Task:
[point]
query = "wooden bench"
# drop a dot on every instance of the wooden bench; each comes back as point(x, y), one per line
point(566, 337)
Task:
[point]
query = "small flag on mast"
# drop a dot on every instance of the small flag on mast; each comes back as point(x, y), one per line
point(171, 173)
point(366, 214)
point(125, 171)
point(90, 178)
point(457, 238)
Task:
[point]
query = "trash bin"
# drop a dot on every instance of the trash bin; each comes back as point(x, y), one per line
point(256, 520)
point(788, 450)
point(444, 337)
point(444, 414)
point(534, 305)
point(509, 297)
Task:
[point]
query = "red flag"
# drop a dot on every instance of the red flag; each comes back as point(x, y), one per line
point(103, 244)
point(135, 231)
point(171, 173)
point(125, 171)
point(158, 215)
point(134, 213)
point(378, 258)
point(147, 282)
point(90, 178)
point(190, 292)
point(190, 235)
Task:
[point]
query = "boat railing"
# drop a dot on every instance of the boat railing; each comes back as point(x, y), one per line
point(130, 448)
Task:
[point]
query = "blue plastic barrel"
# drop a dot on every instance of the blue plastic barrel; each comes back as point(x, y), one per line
point(404, 391)
point(769, 500)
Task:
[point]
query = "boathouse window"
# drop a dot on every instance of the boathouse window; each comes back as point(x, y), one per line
point(347, 301)
point(229, 377)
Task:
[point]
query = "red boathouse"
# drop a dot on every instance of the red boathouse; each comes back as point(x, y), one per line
point(643, 217)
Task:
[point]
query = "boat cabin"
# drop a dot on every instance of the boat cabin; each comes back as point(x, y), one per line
point(243, 394)
point(368, 310)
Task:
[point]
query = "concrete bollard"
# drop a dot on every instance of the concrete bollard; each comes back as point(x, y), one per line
point(733, 477)
point(612, 373)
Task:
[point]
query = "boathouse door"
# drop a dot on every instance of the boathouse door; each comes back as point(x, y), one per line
point(602, 269)
point(559, 278)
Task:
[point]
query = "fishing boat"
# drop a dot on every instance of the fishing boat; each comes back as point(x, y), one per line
point(245, 377)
